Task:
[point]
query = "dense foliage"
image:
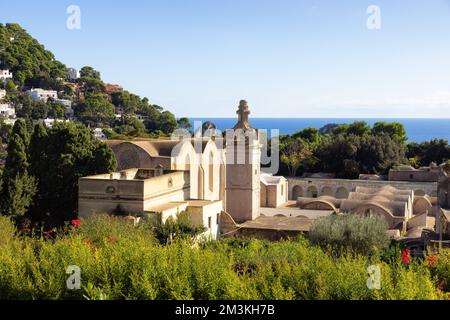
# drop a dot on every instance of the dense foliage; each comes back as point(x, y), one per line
point(361, 234)
point(41, 174)
point(30, 62)
point(352, 149)
point(119, 261)
point(95, 103)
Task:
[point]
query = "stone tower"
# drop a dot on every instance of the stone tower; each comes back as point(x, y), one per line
point(243, 157)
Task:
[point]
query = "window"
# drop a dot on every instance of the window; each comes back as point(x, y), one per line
point(211, 172)
point(282, 190)
point(217, 219)
point(209, 222)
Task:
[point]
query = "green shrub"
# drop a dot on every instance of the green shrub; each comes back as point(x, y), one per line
point(121, 261)
point(360, 234)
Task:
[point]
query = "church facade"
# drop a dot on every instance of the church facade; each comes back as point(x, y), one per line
point(204, 176)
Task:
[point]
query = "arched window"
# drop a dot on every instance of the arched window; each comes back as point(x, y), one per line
point(211, 172)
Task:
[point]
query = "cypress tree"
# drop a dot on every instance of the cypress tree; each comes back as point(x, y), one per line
point(19, 187)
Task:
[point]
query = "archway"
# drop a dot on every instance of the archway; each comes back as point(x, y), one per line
point(342, 193)
point(297, 192)
point(327, 191)
point(201, 173)
point(312, 192)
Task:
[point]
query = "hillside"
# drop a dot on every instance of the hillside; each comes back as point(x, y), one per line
point(29, 61)
point(92, 101)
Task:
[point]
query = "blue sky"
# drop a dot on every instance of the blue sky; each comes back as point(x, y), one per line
point(306, 58)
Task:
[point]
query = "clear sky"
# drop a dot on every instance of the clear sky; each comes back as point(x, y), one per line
point(288, 58)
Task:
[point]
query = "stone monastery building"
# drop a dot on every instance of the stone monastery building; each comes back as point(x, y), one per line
point(203, 176)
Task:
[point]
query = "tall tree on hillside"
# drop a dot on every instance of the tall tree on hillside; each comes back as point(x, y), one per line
point(19, 187)
point(95, 110)
point(70, 152)
point(89, 72)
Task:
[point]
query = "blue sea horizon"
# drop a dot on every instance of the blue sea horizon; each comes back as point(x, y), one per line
point(418, 130)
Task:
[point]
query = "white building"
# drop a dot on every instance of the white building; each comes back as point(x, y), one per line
point(98, 134)
point(73, 74)
point(2, 94)
point(42, 95)
point(5, 75)
point(50, 122)
point(7, 111)
point(65, 102)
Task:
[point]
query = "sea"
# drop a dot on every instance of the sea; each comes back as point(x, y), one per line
point(418, 130)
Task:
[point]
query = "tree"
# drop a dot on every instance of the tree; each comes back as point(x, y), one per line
point(294, 153)
point(69, 152)
point(19, 187)
point(395, 130)
point(349, 155)
point(164, 122)
point(89, 72)
point(95, 110)
point(28, 60)
point(184, 123)
point(357, 128)
point(328, 128)
point(310, 135)
point(436, 150)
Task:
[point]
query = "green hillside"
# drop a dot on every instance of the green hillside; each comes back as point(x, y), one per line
point(29, 61)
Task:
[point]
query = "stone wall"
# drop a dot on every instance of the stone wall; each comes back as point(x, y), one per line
point(340, 188)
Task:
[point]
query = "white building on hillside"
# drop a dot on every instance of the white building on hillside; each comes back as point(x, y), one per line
point(7, 111)
point(65, 102)
point(50, 122)
point(2, 94)
point(73, 74)
point(98, 134)
point(5, 75)
point(42, 95)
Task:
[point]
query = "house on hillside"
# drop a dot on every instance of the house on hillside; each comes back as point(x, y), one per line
point(5, 75)
point(42, 95)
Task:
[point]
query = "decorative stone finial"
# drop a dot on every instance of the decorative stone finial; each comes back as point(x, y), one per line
point(243, 114)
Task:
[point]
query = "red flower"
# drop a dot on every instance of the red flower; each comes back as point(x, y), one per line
point(75, 223)
point(405, 256)
point(432, 261)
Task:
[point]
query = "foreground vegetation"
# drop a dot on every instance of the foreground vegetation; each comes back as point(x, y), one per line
point(121, 261)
